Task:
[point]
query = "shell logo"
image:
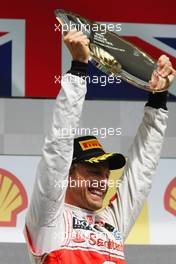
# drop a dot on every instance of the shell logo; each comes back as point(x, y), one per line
point(170, 197)
point(13, 198)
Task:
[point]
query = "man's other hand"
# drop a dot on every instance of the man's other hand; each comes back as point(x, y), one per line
point(163, 76)
point(78, 45)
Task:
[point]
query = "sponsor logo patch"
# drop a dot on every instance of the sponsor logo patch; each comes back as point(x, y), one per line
point(90, 144)
point(81, 224)
point(170, 197)
point(13, 198)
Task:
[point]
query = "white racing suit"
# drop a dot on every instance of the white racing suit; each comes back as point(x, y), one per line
point(59, 233)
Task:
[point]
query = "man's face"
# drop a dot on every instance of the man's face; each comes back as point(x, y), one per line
point(88, 184)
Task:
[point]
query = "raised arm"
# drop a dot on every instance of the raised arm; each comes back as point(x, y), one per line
point(48, 195)
point(143, 157)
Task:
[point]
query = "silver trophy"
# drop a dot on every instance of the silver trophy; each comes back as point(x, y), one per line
point(110, 53)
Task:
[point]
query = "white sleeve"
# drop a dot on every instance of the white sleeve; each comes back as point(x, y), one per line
point(48, 195)
point(137, 177)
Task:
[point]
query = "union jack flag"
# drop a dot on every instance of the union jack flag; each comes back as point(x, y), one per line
point(155, 39)
point(31, 50)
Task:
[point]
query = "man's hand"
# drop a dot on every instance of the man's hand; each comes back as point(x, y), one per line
point(78, 45)
point(163, 75)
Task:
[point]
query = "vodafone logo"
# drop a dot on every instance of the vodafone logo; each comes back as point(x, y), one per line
point(170, 197)
point(13, 198)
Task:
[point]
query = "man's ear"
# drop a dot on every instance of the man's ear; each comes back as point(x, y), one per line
point(72, 170)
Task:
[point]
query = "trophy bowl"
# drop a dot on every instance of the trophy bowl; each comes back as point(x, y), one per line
point(110, 53)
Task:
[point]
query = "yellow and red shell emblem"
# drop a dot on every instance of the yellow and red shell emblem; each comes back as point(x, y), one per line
point(170, 197)
point(13, 198)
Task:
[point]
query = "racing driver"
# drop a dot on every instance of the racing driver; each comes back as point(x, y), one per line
point(64, 223)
